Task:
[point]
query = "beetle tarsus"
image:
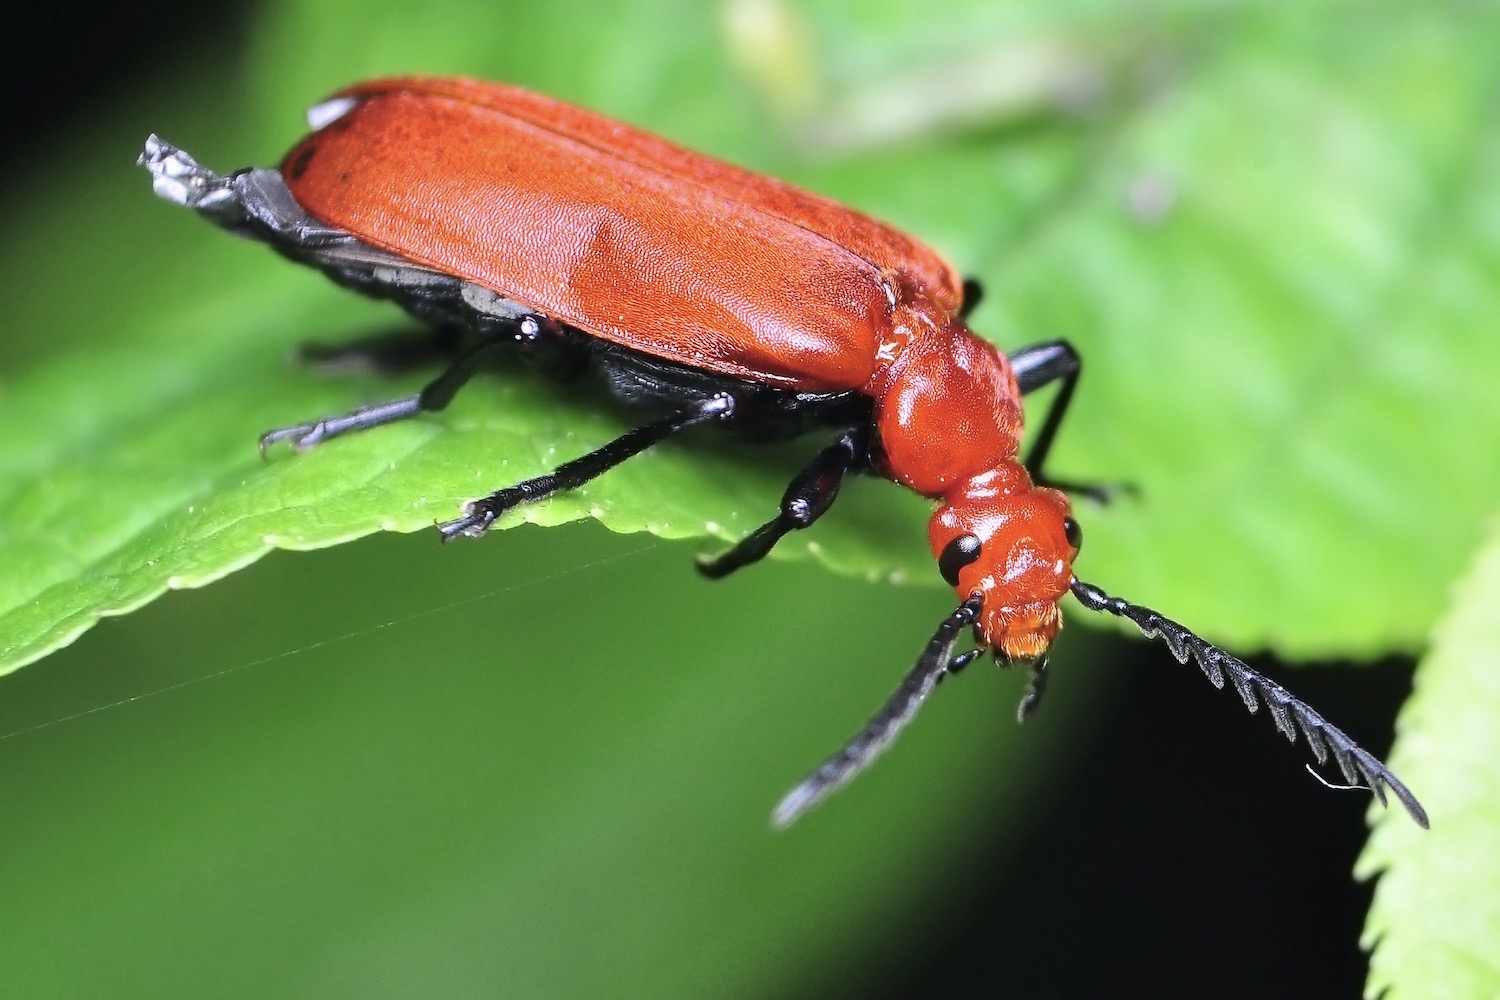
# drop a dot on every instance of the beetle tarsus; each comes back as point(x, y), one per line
point(475, 522)
point(306, 436)
point(302, 436)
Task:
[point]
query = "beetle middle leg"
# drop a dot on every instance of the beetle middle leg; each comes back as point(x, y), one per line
point(480, 514)
point(808, 498)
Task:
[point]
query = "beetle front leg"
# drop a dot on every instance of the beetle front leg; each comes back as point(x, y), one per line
point(1040, 365)
point(808, 498)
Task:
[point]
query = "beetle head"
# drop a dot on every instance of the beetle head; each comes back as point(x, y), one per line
point(1013, 544)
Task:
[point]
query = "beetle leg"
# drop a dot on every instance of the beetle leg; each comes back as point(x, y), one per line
point(436, 395)
point(959, 662)
point(808, 498)
point(480, 514)
point(1035, 367)
point(973, 293)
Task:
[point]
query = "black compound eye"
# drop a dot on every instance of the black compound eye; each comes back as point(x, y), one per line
point(956, 555)
point(1073, 533)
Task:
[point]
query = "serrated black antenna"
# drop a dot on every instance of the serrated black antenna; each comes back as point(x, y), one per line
point(936, 662)
point(1289, 713)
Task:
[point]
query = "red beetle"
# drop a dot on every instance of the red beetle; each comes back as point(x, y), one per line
point(504, 219)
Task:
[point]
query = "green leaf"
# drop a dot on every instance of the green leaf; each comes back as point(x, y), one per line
point(1434, 929)
point(1278, 269)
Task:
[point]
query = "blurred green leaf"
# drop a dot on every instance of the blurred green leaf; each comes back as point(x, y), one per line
point(1436, 918)
point(542, 772)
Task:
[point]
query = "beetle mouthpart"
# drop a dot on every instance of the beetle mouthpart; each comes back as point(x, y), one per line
point(1024, 633)
point(1027, 645)
point(1036, 687)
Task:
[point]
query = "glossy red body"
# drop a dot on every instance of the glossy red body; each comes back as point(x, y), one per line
point(651, 246)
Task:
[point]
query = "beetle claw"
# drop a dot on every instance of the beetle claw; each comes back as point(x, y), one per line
point(476, 521)
point(302, 436)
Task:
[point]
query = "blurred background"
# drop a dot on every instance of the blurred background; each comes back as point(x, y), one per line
point(543, 765)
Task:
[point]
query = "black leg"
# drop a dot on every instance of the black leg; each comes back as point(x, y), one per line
point(435, 396)
point(973, 293)
point(480, 514)
point(1040, 365)
point(959, 662)
point(808, 498)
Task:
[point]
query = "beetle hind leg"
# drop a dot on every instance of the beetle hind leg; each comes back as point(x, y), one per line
point(808, 498)
point(436, 395)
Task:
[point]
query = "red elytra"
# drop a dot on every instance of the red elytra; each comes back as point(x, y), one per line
point(506, 219)
point(615, 231)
